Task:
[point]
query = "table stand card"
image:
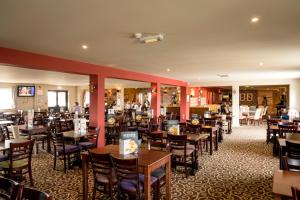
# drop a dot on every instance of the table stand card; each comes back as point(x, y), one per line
point(173, 127)
point(30, 116)
point(129, 142)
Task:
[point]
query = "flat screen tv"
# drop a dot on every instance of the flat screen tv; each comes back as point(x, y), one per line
point(26, 91)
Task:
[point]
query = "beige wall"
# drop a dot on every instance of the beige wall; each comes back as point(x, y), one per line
point(40, 100)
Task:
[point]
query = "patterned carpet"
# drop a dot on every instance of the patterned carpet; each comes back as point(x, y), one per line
point(241, 169)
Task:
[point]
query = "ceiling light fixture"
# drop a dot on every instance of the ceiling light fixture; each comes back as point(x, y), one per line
point(261, 64)
point(149, 38)
point(223, 75)
point(254, 19)
point(168, 69)
point(84, 46)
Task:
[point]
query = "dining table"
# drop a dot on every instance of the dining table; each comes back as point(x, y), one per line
point(6, 144)
point(283, 181)
point(148, 161)
point(6, 122)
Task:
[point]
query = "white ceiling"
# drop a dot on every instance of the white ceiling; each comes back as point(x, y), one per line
point(203, 38)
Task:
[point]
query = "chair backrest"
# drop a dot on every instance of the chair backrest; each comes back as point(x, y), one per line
point(9, 189)
point(58, 140)
point(296, 193)
point(101, 165)
point(292, 158)
point(5, 132)
point(21, 151)
point(155, 141)
point(15, 131)
point(210, 122)
point(265, 111)
point(257, 114)
point(177, 141)
point(95, 136)
point(127, 169)
point(287, 128)
point(30, 193)
point(271, 122)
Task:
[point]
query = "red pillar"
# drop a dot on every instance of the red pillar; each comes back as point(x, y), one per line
point(184, 105)
point(97, 117)
point(155, 100)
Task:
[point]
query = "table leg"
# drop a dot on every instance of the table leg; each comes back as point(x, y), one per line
point(147, 184)
point(85, 176)
point(211, 142)
point(168, 178)
point(216, 142)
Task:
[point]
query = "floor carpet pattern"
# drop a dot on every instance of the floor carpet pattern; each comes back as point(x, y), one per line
point(242, 169)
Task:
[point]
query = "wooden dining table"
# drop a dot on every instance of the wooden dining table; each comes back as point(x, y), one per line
point(283, 181)
point(35, 131)
point(148, 161)
point(6, 144)
point(6, 122)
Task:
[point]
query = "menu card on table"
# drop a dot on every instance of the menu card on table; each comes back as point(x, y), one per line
point(173, 127)
point(129, 142)
point(80, 126)
point(30, 116)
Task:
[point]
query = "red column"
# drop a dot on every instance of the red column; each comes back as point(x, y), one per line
point(155, 100)
point(184, 105)
point(97, 117)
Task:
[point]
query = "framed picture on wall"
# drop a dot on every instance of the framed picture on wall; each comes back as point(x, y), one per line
point(242, 97)
point(249, 96)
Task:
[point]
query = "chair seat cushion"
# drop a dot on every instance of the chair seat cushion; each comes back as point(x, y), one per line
point(68, 149)
point(16, 164)
point(3, 158)
point(105, 179)
point(179, 152)
point(87, 144)
point(131, 185)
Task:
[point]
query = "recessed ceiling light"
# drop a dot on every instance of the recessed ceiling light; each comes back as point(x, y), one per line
point(254, 19)
point(261, 64)
point(84, 46)
point(168, 69)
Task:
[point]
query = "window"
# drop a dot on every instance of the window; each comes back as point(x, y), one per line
point(7, 98)
point(57, 98)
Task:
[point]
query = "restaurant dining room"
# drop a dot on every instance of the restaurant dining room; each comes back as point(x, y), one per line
point(149, 100)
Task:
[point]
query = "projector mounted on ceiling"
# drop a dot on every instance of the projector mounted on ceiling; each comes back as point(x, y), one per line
point(149, 38)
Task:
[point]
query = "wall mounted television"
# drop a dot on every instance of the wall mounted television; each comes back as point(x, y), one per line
point(25, 91)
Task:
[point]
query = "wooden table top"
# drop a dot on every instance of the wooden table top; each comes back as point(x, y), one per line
point(190, 136)
point(291, 137)
point(6, 122)
point(276, 128)
point(33, 130)
point(6, 145)
point(284, 180)
point(72, 134)
point(145, 157)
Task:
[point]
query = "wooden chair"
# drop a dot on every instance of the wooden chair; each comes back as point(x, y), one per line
point(33, 194)
point(296, 193)
point(155, 142)
point(129, 180)
point(287, 128)
point(19, 161)
point(9, 189)
point(256, 117)
point(63, 151)
point(92, 140)
point(181, 154)
point(291, 161)
point(104, 175)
